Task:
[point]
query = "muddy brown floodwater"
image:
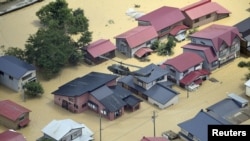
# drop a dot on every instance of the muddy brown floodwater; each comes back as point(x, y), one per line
point(16, 27)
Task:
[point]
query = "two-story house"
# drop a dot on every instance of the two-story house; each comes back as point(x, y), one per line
point(137, 41)
point(14, 73)
point(92, 92)
point(155, 88)
point(224, 42)
point(186, 69)
point(164, 20)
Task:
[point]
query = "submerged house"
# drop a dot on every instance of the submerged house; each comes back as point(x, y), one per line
point(233, 110)
point(155, 88)
point(222, 44)
point(244, 29)
point(136, 42)
point(203, 12)
point(186, 70)
point(166, 21)
point(14, 73)
point(66, 130)
point(92, 92)
point(101, 47)
point(13, 115)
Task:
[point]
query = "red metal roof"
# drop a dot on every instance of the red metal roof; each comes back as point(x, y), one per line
point(154, 139)
point(177, 28)
point(194, 76)
point(10, 135)
point(100, 47)
point(204, 8)
point(163, 17)
point(140, 52)
point(210, 55)
point(12, 110)
point(218, 34)
point(184, 61)
point(138, 35)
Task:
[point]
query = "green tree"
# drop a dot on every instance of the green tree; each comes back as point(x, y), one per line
point(166, 48)
point(33, 89)
point(155, 45)
point(14, 51)
point(52, 47)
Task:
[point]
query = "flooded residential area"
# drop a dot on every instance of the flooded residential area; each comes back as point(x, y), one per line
point(17, 26)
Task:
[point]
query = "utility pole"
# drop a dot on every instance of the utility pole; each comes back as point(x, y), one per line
point(100, 127)
point(153, 119)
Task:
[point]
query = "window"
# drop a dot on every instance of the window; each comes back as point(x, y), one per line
point(104, 112)
point(208, 16)
point(71, 99)
point(21, 118)
point(196, 20)
point(10, 77)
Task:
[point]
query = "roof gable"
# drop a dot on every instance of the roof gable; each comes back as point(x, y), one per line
point(138, 35)
point(82, 85)
point(100, 47)
point(12, 110)
point(156, 72)
point(184, 61)
point(218, 34)
point(163, 17)
point(14, 66)
point(59, 128)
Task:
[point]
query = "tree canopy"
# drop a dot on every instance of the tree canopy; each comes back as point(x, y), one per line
point(52, 47)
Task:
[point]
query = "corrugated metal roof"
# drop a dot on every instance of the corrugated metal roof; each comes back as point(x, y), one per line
point(192, 76)
point(138, 35)
point(184, 61)
point(100, 47)
point(11, 110)
point(209, 54)
point(142, 51)
point(84, 84)
point(14, 66)
point(244, 27)
point(163, 17)
point(59, 128)
point(218, 34)
point(205, 9)
point(11, 135)
point(177, 29)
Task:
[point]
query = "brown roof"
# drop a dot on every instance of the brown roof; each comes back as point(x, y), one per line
point(138, 35)
point(100, 47)
point(193, 76)
point(177, 29)
point(218, 34)
point(163, 17)
point(203, 8)
point(10, 135)
point(140, 52)
point(12, 110)
point(184, 61)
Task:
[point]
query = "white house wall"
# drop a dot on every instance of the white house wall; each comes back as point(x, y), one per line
point(16, 84)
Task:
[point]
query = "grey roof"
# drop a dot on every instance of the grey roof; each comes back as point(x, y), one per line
point(84, 84)
point(198, 125)
point(120, 91)
point(132, 100)
point(110, 101)
point(14, 66)
point(244, 27)
point(158, 92)
point(157, 72)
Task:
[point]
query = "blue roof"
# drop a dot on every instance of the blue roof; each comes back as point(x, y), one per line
point(158, 92)
point(82, 85)
point(157, 72)
point(225, 107)
point(198, 125)
point(14, 66)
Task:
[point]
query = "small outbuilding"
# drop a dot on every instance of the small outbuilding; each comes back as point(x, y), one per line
point(247, 84)
point(13, 115)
